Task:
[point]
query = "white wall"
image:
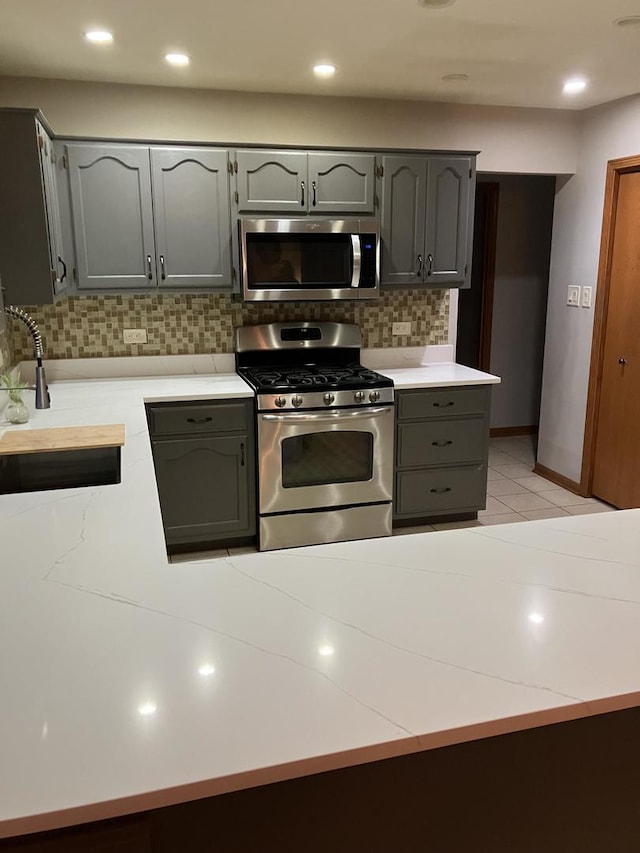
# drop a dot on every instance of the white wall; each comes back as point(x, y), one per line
point(608, 132)
point(509, 139)
point(525, 216)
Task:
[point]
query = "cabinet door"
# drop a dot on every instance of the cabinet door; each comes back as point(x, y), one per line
point(341, 183)
point(272, 181)
point(448, 220)
point(112, 216)
point(203, 484)
point(192, 217)
point(25, 251)
point(404, 186)
point(52, 210)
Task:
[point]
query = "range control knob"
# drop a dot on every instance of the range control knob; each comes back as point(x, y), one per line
point(297, 401)
point(358, 396)
point(280, 402)
point(374, 396)
point(328, 399)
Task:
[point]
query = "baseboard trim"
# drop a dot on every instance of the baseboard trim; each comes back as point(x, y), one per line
point(504, 432)
point(558, 479)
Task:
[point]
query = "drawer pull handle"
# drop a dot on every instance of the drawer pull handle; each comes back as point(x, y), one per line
point(444, 405)
point(242, 455)
point(199, 420)
point(441, 443)
point(440, 491)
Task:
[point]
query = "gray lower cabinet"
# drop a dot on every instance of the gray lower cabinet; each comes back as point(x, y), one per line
point(204, 457)
point(32, 263)
point(298, 182)
point(144, 218)
point(442, 441)
point(427, 220)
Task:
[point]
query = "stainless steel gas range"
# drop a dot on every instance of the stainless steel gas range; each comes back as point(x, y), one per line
point(325, 434)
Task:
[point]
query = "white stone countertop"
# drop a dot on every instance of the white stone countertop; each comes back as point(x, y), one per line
point(437, 376)
point(129, 683)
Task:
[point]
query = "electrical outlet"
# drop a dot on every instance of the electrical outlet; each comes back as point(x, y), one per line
point(401, 329)
point(134, 336)
point(574, 293)
point(586, 297)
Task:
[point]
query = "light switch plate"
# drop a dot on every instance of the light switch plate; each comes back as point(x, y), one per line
point(401, 329)
point(586, 297)
point(134, 336)
point(573, 295)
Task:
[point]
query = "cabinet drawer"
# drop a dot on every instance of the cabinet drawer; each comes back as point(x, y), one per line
point(442, 490)
point(443, 402)
point(441, 442)
point(194, 418)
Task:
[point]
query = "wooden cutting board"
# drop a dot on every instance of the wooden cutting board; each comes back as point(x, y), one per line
point(61, 438)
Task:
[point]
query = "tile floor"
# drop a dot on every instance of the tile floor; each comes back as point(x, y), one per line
point(514, 493)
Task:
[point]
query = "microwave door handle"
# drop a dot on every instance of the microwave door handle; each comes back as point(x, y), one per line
point(357, 260)
point(329, 417)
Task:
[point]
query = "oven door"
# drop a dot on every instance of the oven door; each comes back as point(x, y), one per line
point(338, 457)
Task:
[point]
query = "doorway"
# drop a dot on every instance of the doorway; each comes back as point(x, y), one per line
point(611, 460)
point(502, 317)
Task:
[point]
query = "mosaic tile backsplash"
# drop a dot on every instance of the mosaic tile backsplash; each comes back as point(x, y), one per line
point(183, 324)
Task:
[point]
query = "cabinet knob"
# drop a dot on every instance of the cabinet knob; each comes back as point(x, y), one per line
point(622, 361)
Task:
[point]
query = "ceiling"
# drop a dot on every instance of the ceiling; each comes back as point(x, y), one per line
point(516, 53)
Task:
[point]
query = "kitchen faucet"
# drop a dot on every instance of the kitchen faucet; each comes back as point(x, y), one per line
point(43, 401)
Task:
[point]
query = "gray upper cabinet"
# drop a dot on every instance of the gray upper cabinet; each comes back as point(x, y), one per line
point(302, 183)
point(341, 183)
point(146, 217)
point(271, 181)
point(403, 217)
point(427, 220)
point(32, 266)
point(112, 217)
point(191, 214)
point(448, 219)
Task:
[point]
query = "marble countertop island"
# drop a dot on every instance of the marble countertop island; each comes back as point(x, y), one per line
point(129, 683)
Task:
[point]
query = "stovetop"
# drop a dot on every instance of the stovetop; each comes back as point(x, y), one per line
point(305, 365)
point(313, 377)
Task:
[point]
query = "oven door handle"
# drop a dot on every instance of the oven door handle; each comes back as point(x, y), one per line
point(357, 260)
point(329, 417)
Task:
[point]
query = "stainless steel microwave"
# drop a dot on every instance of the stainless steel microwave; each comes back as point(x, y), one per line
point(309, 259)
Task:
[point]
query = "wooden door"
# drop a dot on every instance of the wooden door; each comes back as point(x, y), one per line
point(342, 183)
point(112, 216)
point(192, 217)
point(616, 473)
point(272, 182)
point(449, 222)
point(404, 185)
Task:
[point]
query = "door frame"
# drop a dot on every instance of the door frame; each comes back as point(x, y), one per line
point(491, 189)
point(615, 168)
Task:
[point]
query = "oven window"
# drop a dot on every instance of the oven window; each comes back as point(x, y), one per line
point(299, 260)
point(322, 458)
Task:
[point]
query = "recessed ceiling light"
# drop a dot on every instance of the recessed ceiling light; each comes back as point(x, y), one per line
point(435, 4)
point(99, 36)
point(575, 85)
point(455, 78)
point(177, 58)
point(628, 21)
point(324, 69)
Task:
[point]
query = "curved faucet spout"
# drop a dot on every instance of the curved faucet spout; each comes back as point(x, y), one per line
point(43, 400)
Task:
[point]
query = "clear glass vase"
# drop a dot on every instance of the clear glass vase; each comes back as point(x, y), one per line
point(17, 412)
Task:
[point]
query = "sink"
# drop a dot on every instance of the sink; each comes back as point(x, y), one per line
point(61, 458)
point(59, 469)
